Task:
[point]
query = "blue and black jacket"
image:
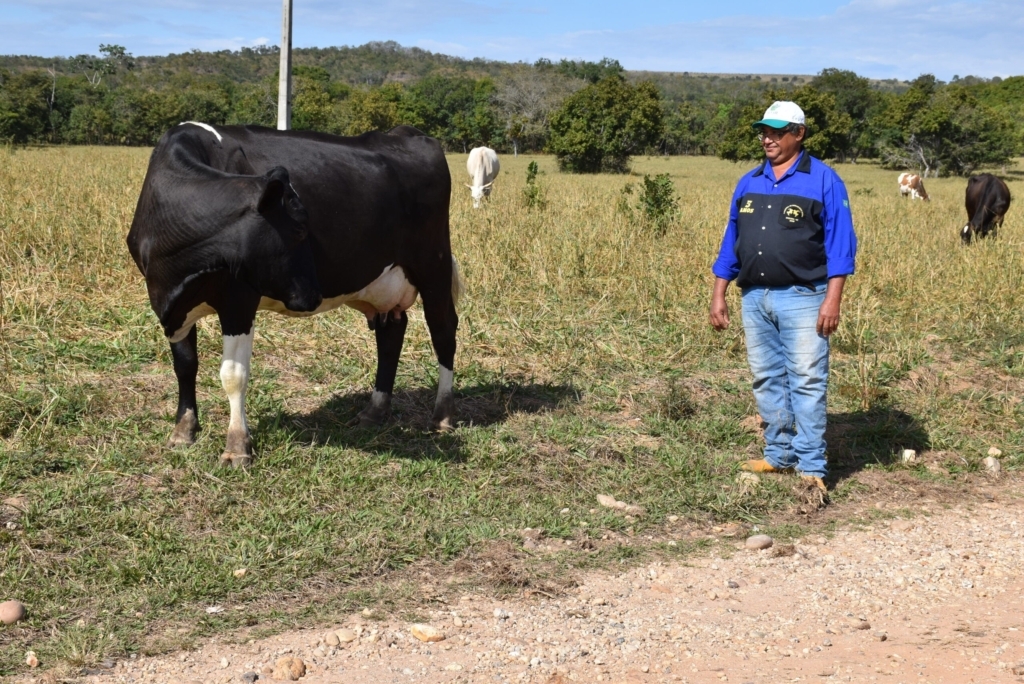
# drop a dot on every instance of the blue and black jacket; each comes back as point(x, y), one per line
point(789, 231)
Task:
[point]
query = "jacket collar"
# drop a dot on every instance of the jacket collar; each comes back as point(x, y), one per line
point(803, 164)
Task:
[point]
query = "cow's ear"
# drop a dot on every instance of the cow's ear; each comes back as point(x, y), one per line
point(274, 183)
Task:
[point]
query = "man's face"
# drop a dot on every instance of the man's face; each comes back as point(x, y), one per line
point(780, 145)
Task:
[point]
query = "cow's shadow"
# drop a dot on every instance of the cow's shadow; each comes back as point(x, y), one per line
point(407, 433)
point(875, 436)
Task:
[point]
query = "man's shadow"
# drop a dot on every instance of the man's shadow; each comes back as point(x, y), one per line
point(875, 436)
point(407, 433)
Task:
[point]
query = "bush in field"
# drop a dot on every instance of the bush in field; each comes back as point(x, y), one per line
point(656, 204)
point(533, 193)
point(599, 127)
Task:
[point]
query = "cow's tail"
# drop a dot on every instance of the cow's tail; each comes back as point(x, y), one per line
point(458, 285)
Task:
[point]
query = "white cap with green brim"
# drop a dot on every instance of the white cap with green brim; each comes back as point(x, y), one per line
point(781, 114)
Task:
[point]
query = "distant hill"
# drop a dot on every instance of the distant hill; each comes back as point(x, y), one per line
point(377, 63)
point(371, 64)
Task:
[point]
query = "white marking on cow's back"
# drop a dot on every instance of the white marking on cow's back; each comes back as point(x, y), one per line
point(201, 311)
point(234, 377)
point(391, 291)
point(206, 126)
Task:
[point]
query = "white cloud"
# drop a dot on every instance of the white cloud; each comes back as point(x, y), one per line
point(881, 38)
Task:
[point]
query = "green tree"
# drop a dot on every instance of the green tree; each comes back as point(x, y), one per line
point(943, 130)
point(854, 97)
point(1006, 98)
point(254, 103)
point(373, 109)
point(455, 110)
point(24, 106)
point(828, 128)
point(591, 72)
point(694, 127)
point(313, 106)
point(600, 126)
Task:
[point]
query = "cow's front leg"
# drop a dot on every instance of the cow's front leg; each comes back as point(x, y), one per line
point(234, 377)
point(390, 335)
point(186, 367)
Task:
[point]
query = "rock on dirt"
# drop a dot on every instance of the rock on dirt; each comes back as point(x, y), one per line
point(995, 452)
point(427, 633)
point(31, 660)
point(288, 669)
point(759, 541)
point(610, 501)
point(992, 465)
point(345, 636)
point(11, 612)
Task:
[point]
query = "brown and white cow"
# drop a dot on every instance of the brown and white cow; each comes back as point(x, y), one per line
point(987, 200)
point(912, 186)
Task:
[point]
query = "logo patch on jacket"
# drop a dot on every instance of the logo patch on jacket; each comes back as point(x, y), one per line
point(792, 213)
point(748, 208)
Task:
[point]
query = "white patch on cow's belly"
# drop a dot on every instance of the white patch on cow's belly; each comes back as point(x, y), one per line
point(201, 311)
point(391, 291)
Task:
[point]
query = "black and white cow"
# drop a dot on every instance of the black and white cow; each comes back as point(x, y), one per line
point(233, 220)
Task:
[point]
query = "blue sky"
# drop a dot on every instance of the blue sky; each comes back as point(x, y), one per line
point(876, 38)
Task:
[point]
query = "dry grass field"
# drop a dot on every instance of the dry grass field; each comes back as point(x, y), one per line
point(585, 366)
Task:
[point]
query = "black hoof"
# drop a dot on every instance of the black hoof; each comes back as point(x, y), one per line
point(184, 434)
point(375, 413)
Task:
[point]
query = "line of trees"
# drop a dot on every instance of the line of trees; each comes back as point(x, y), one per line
point(592, 115)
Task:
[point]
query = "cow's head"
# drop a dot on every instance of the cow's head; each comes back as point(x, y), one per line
point(478, 192)
point(276, 256)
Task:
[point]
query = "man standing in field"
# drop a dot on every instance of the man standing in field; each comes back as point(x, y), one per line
point(789, 246)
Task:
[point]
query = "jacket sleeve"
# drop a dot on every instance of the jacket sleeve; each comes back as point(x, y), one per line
point(727, 265)
point(840, 240)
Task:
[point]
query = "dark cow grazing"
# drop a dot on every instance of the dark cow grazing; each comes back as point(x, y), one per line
point(988, 198)
point(232, 220)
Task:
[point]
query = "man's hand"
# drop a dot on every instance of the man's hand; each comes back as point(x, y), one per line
point(828, 314)
point(719, 309)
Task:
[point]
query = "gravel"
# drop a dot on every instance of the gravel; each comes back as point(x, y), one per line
point(932, 601)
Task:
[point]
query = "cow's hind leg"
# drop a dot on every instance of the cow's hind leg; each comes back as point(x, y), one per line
point(186, 366)
point(390, 333)
point(443, 321)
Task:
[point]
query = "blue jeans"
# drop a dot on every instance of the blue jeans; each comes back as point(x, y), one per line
point(789, 362)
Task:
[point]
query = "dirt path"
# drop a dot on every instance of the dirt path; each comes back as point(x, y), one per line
point(930, 599)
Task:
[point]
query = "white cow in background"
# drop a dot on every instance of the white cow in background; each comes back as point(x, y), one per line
point(483, 168)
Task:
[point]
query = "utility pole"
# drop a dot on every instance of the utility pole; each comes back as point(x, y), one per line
point(284, 82)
